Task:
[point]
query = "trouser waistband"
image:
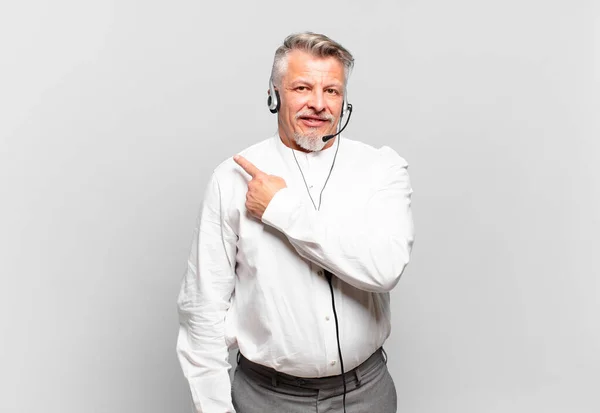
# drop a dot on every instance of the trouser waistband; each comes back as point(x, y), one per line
point(376, 360)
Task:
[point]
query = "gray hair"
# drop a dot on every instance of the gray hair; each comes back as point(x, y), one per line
point(317, 45)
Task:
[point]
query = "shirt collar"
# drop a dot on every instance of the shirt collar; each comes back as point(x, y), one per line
point(322, 155)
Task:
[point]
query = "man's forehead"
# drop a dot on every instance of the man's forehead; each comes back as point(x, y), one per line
point(301, 63)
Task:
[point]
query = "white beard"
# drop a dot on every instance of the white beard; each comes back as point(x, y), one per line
point(312, 142)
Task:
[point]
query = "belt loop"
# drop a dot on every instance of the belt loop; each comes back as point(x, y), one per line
point(358, 375)
point(384, 355)
point(274, 379)
point(238, 357)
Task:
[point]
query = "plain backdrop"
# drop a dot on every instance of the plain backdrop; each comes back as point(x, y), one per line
point(113, 114)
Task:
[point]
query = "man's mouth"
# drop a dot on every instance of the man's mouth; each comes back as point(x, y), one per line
point(313, 121)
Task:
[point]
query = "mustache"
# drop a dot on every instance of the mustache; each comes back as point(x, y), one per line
point(307, 113)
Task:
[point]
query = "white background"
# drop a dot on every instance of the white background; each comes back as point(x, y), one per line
point(114, 113)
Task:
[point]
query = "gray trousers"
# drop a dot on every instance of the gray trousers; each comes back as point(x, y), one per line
point(369, 389)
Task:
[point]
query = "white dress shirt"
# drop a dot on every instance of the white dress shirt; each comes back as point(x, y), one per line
point(260, 286)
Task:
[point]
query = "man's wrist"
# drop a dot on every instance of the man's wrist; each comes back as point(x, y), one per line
point(279, 211)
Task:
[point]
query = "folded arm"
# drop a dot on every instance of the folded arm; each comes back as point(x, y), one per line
point(369, 248)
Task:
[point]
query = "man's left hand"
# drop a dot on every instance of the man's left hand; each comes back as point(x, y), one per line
point(261, 188)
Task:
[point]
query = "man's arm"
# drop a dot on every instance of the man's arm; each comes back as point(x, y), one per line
point(368, 250)
point(203, 301)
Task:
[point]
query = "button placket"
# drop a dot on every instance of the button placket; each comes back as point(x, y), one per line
point(323, 300)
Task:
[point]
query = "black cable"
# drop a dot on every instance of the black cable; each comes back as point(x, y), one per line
point(337, 334)
point(317, 208)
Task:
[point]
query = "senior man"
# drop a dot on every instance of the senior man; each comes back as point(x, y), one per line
point(296, 248)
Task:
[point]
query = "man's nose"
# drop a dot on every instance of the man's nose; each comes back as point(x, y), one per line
point(317, 100)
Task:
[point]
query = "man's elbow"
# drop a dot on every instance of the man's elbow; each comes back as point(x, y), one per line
point(395, 262)
point(389, 281)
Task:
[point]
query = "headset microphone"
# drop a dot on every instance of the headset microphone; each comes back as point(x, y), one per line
point(328, 137)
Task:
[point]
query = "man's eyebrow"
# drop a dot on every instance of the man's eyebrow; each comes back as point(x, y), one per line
point(301, 81)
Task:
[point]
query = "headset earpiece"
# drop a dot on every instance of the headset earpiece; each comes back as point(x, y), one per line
point(273, 100)
point(345, 105)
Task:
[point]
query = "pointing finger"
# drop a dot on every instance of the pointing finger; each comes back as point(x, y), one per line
point(248, 166)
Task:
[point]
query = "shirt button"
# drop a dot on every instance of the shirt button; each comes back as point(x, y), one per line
point(327, 317)
point(320, 272)
point(332, 362)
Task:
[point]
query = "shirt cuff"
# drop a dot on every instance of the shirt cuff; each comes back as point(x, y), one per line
point(280, 211)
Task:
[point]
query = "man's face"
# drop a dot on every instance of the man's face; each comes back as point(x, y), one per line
point(312, 94)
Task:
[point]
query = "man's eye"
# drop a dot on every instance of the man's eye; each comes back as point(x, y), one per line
point(301, 88)
point(331, 91)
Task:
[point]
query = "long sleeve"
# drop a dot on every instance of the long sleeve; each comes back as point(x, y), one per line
point(203, 301)
point(368, 248)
